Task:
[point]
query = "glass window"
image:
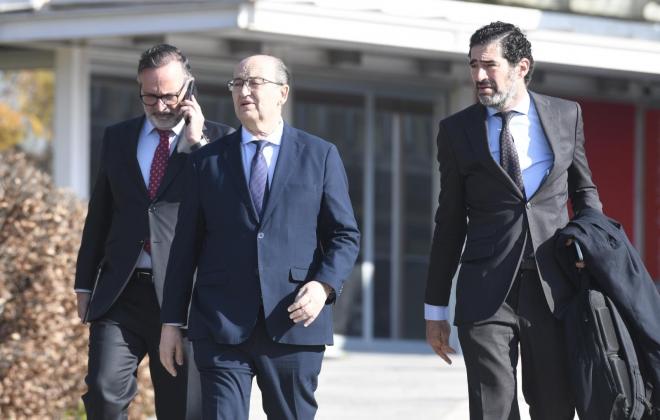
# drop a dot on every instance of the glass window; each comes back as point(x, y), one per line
point(339, 119)
point(413, 166)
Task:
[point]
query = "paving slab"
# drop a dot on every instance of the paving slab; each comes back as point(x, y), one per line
point(388, 380)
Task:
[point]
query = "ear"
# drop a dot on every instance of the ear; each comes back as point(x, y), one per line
point(523, 67)
point(284, 92)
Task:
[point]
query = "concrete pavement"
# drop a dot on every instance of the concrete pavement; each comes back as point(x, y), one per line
point(388, 380)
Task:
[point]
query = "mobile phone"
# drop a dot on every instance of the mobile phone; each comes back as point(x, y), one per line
point(190, 91)
point(578, 251)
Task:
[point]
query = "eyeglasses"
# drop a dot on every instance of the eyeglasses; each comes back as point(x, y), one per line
point(251, 82)
point(167, 99)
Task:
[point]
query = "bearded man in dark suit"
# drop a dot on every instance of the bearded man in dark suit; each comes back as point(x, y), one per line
point(508, 166)
point(118, 293)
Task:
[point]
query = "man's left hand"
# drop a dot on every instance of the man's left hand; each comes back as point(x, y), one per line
point(309, 302)
point(192, 113)
point(170, 348)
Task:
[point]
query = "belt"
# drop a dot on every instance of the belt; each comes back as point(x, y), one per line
point(142, 275)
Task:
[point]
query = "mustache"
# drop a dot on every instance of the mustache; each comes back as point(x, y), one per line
point(164, 114)
point(486, 84)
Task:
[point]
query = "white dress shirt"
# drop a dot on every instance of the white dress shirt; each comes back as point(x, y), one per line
point(534, 154)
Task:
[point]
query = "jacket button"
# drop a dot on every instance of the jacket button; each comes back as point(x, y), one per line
point(260, 235)
point(528, 205)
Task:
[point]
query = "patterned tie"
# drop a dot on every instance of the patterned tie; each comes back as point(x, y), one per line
point(511, 164)
point(159, 163)
point(508, 155)
point(258, 176)
point(157, 171)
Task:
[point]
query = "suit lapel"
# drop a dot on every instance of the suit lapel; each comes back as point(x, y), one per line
point(549, 117)
point(477, 134)
point(130, 144)
point(287, 163)
point(233, 160)
point(174, 165)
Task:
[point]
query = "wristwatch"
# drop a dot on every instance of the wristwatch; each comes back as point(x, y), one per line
point(204, 140)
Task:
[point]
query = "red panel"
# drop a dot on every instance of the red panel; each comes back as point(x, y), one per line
point(609, 130)
point(652, 194)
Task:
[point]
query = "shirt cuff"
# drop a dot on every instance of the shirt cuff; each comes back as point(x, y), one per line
point(203, 141)
point(174, 324)
point(82, 291)
point(436, 313)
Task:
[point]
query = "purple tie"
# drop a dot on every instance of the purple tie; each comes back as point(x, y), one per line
point(508, 155)
point(258, 176)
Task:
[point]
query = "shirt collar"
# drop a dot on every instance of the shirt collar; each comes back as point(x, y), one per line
point(273, 138)
point(522, 107)
point(148, 128)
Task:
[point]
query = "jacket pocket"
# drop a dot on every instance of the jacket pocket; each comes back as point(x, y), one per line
point(303, 186)
point(298, 274)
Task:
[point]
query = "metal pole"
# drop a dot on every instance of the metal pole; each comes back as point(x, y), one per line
point(395, 233)
point(368, 220)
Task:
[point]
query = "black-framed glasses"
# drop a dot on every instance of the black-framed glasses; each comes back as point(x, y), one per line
point(167, 99)
point(250, 82)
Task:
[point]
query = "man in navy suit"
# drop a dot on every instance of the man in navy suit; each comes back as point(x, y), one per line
point(141, 172)
point(268, 224)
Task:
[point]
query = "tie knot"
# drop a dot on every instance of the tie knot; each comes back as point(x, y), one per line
point(164, 134)
point(506, 116)
point(260, 144)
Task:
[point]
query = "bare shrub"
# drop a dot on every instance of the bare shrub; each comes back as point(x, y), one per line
point(43, 345)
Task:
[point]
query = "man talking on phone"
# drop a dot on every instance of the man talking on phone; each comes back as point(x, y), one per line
point(118, 275)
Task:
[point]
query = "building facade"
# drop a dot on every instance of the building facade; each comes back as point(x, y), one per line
point(374, 77)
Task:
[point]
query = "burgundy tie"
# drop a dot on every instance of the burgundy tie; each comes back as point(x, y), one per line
point(159, 163)
point(158, 166)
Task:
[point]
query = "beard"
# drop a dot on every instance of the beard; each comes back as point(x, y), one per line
point(165, 120)
point(499, 97)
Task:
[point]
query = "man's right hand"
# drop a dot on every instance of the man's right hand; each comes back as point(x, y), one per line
point(83, 303)
point(437, 335)
point(171, 348)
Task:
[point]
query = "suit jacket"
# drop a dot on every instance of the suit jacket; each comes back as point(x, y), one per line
point(117, 222)
point(481, 207)
point(307, 232)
